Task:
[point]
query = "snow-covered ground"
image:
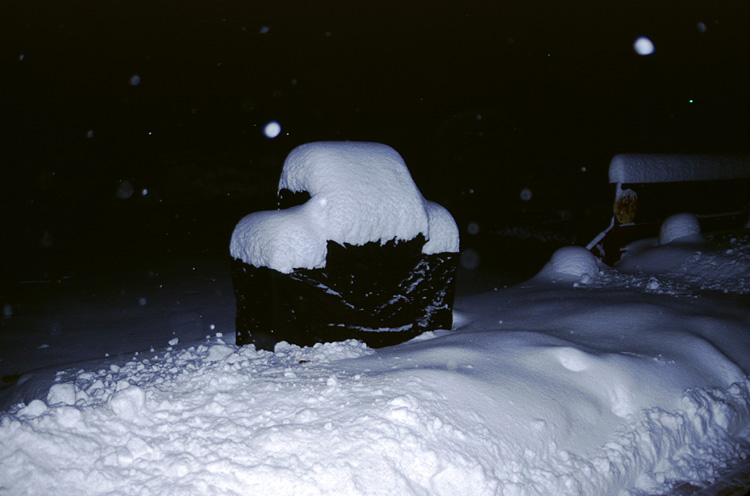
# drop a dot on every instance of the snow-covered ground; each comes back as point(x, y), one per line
point(582, 380)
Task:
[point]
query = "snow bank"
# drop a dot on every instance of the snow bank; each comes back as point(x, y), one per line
point(470, 413)
point(360, 193)
point(558, 386)
point(646, 168)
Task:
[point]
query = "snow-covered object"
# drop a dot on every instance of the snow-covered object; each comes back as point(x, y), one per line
point(365, 257)
point(684, 226)
point(622, 386)
point(632, 168)
point(359, 193)
point(571, 262)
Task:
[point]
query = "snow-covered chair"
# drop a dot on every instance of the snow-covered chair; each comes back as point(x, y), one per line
point(357, 253)
point(651, 188)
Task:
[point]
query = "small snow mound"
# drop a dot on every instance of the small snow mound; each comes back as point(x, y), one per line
point(685, 227)
point(128, 403)
point(33, 409)
point(572, 359)
point(283, 346)
point(572, 262)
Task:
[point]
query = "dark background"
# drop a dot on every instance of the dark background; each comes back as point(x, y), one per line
point(483, 100)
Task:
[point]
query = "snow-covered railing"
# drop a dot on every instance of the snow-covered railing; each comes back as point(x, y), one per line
point(651, 187)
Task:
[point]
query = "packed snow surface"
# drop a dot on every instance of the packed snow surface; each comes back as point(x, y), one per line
point(655, 168)
point(359, 193)
point(586, 380)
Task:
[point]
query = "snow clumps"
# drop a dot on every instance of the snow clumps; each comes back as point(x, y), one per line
point(128, 402)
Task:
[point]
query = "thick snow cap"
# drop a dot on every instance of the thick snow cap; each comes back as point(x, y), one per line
point(359, 193)
point(629, 168)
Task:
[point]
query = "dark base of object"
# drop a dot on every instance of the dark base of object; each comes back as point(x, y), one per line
point(382, 295)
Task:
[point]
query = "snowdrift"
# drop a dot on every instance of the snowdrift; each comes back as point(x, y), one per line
point(586, 380)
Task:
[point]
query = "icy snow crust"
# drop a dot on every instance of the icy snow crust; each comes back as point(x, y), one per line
point(649, 168)
point(360, 193)
point(586, 380)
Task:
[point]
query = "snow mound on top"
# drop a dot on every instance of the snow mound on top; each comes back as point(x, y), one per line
point(364, 190)
point(684, 226)
point(359, 193)
point(571, 262)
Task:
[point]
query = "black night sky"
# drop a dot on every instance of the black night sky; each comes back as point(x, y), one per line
point(133, 130)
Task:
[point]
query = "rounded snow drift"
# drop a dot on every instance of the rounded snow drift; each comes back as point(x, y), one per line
point(572, 261)
point(683, 226)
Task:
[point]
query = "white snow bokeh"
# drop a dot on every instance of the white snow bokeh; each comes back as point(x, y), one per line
point(360, 193)
point(272, 129)
point(587, 381)
point(643, 46)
